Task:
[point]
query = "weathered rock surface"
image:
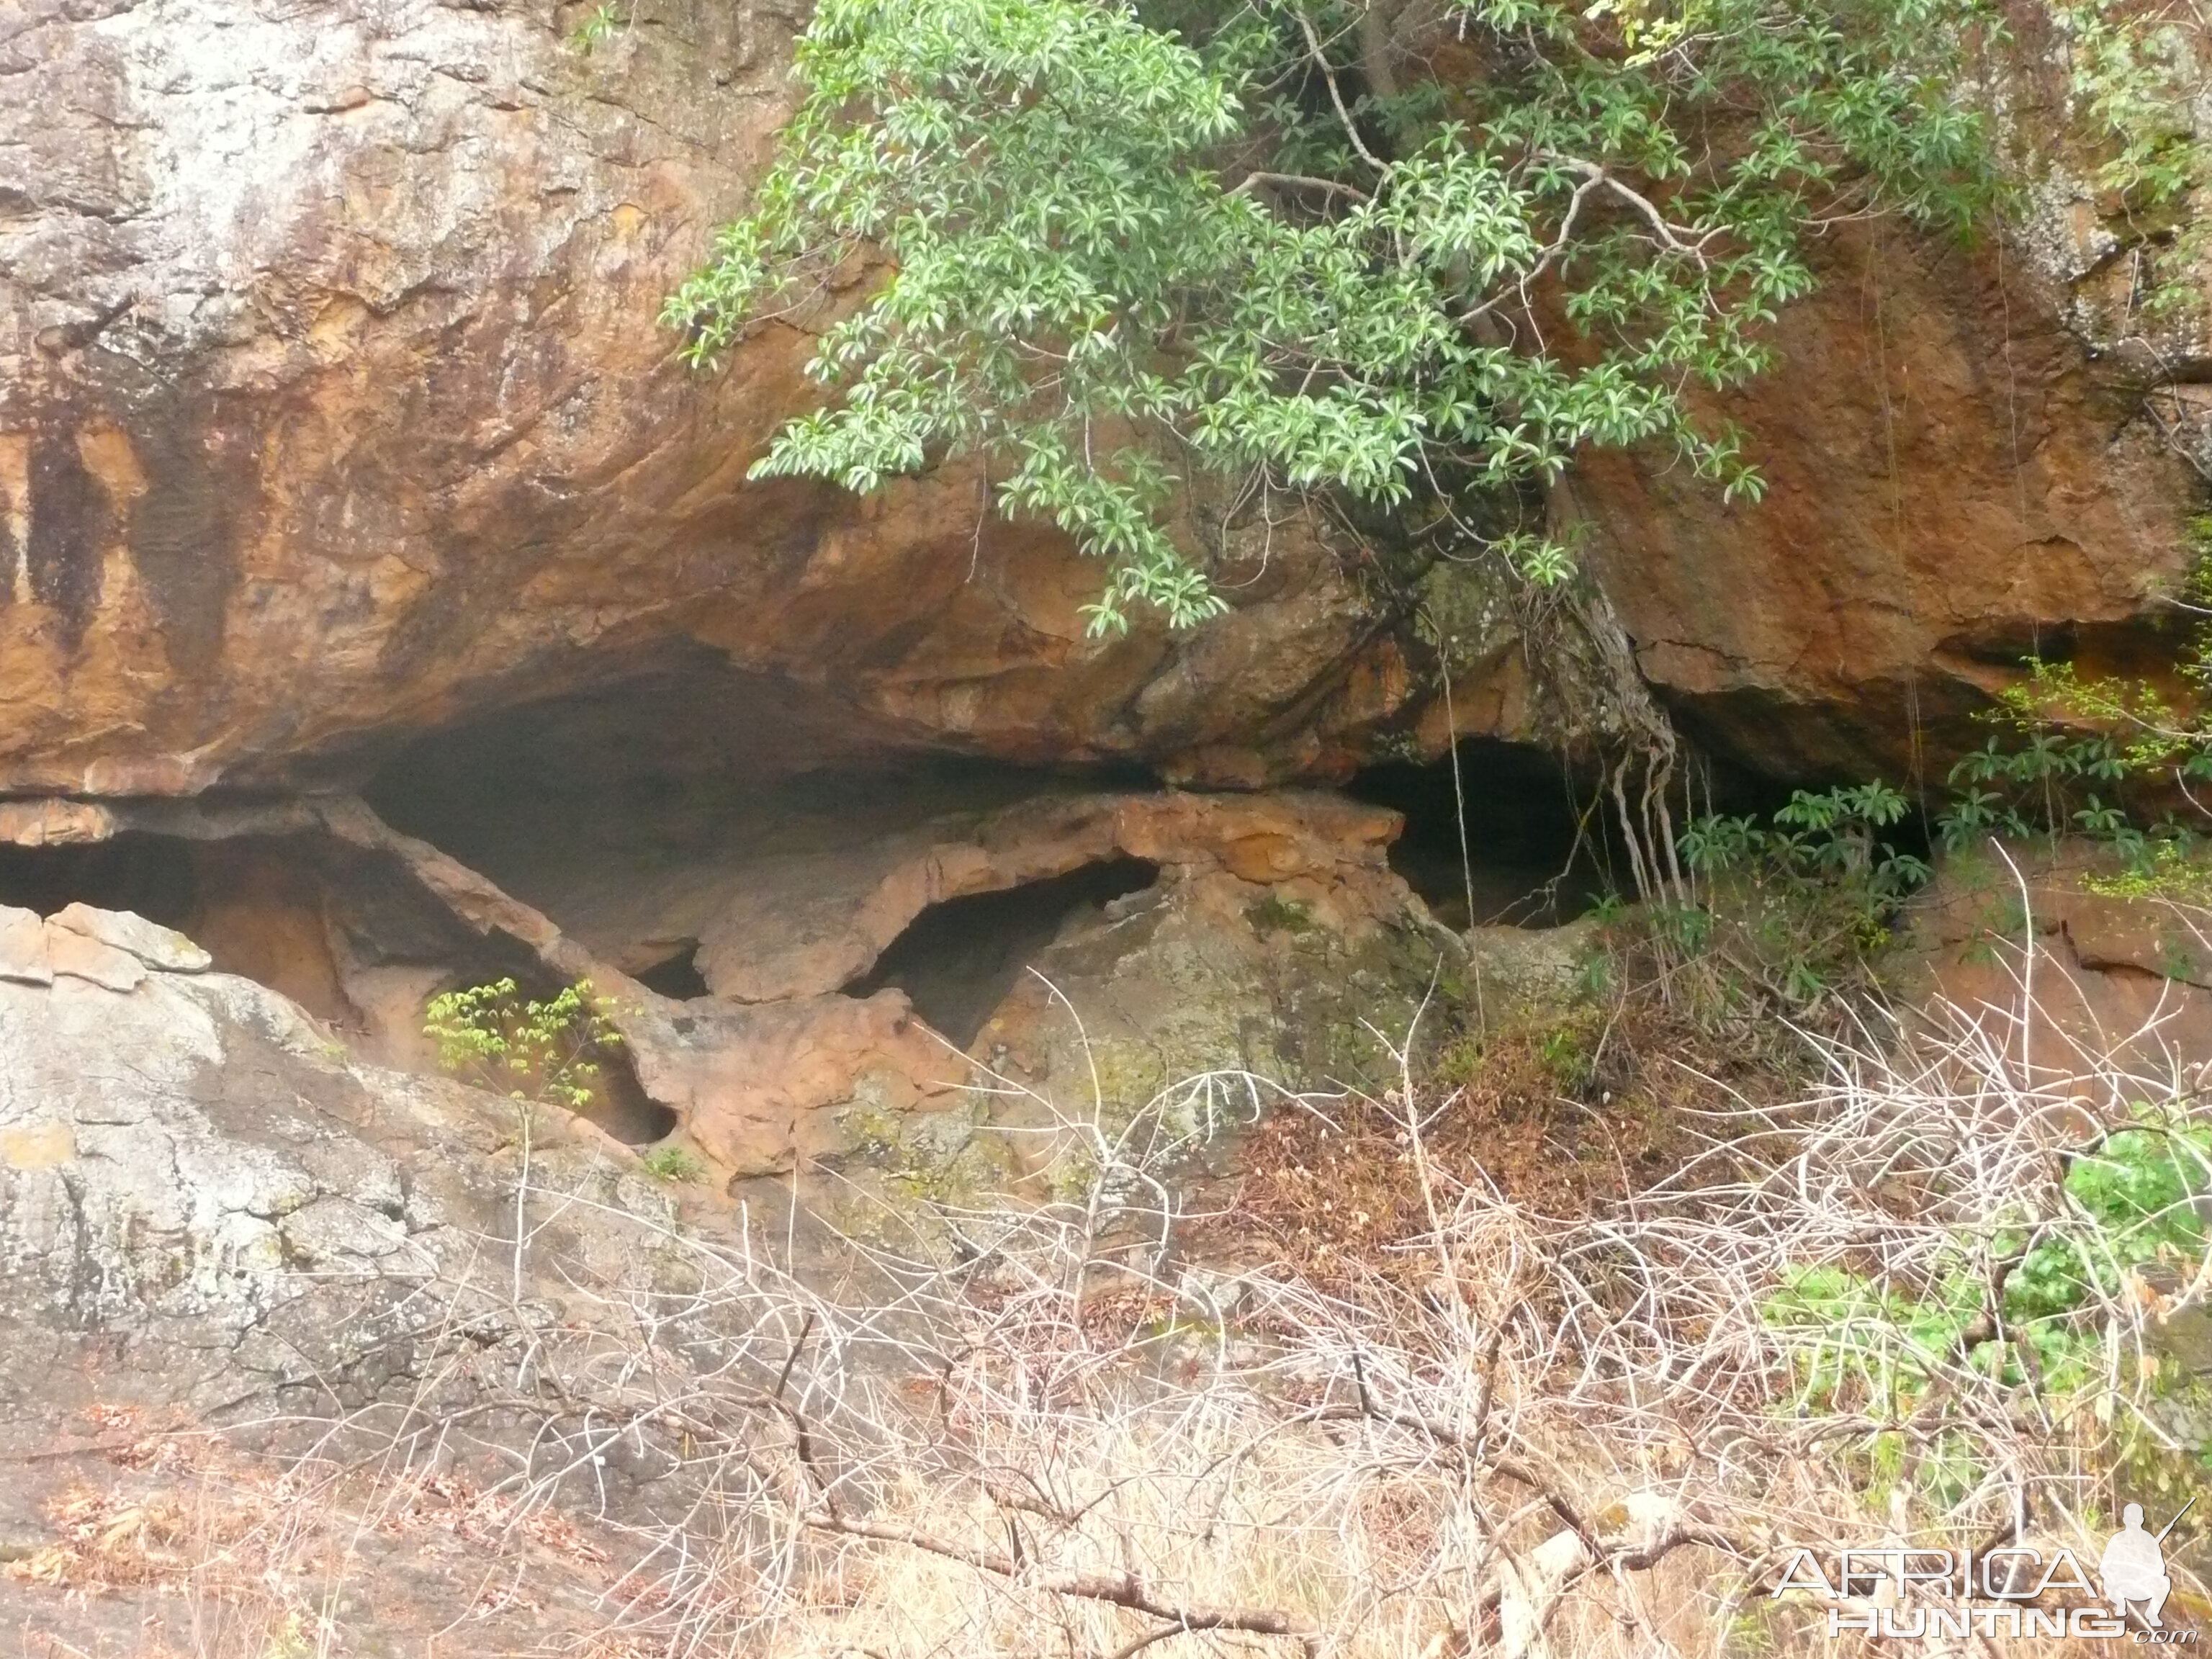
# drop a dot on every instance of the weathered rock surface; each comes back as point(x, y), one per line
point(195, 1180)
point(236, 1266)
point(76, 955)
point(154, 945)
point(1954, 480)
point(791, 1054)
point(2023, 935)
point(806, 924)
point(23, 953)
point(327, 337)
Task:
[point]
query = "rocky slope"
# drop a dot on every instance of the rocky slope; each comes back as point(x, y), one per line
point(340, 451)
point(332, 408)
point(382, 611)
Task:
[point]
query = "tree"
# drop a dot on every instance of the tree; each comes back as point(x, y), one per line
point(1121, 249)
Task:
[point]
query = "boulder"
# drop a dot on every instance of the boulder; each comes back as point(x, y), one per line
point(78, 956)
point(23, 947)
point(237, 1211)
point(154, 945)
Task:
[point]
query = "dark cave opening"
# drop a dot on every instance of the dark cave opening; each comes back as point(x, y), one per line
point(679, 978)
point(1535, 854)
point(958, 959)
point(155, 876)
point(682, 760)
point(628, 812)
point(348, 935)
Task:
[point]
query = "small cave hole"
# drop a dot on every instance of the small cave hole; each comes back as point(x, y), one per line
point(959, 959)
point(351, 938)
point(154, 876)
point(1533, 856)
point(624, 1108)
point(678, 977)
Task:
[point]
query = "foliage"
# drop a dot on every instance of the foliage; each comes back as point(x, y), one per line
point(2134, 75)
point(674, 1163)
point(529, 1049)
point(1277, 914)
point(1831, 835)
point(1800, 899)
point(597, 27)
point(2129, 1201)
point(1109, 252)
point(2097, 755)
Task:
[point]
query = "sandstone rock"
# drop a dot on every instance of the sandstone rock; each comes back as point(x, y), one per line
point(334, 342)
point(1954, 480)
point(52, 823)
point(154, 945)
point(1200, 1000)
point(23, 947)
point(2129, 979)
point(236, 1211)
point(806, 924)
point(780, 1069)
point(78, 956)
point(329, 336)
point(1532, 963)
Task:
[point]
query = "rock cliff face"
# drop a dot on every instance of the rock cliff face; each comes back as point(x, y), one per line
point(340, 450)
point(382, 611)
point(1954, 479)
point(333, 407)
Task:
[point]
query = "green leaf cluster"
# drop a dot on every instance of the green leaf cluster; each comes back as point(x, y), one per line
point(673, 1164)
point(1802, 897)
point(2136, 75)
point(597, 27)
point(2136, 1199)
point(529, 1049)
point(2106, 756)
point(1108, 250)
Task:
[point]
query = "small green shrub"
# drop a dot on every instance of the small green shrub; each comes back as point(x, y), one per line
point(1797, 904)
point(673, 1164)
point(1277, 914)
point(2136, 70)
point(527, 1048)
point(2103, 757)
point(596, 28)
point(2130, 1203)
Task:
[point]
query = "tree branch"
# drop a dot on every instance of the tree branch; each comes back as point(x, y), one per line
point(1125, 1591)
point(1299, 181)
point(1668, 235)
point(1336, 93)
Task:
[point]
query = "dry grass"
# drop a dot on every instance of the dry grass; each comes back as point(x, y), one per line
point(1563, 1109)
point(1503, 1427)
point(1559, 1416)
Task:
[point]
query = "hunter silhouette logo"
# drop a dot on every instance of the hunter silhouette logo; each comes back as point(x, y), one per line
point(2133, 1567)
point(2014, 1589)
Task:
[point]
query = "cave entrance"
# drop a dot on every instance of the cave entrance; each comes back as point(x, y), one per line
point(154, 875)
point(1535, 852)
point(349, 935)
point(629, 812)
point(960, 958)
point(678, 977)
